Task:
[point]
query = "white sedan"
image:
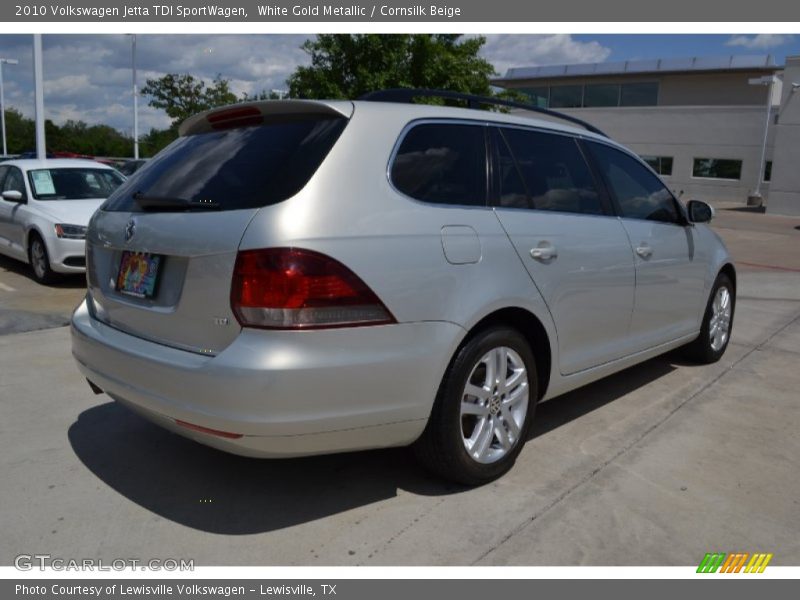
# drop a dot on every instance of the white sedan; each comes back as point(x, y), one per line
point(45, 208)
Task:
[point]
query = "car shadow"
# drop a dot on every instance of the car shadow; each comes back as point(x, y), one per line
point(70, 281)
point(216, 492)
point(561, 410)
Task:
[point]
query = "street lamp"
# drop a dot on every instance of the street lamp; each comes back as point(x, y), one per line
point(4, 61)
point(135, 99)
point(755, 199)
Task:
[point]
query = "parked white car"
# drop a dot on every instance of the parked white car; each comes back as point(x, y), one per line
point(45, 208)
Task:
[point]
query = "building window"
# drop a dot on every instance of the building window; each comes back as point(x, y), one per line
point(594, 95)
point(566, 96)
point(717, 168)
point(768, 171)
point(538, 96)
point(660, 164)
point(601, 94)
point(639, 94)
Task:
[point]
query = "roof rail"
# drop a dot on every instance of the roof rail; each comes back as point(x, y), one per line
point(407, 95)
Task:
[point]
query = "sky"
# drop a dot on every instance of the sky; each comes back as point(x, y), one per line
point(88, 77)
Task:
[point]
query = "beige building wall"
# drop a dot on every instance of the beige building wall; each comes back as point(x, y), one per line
point(784, 197)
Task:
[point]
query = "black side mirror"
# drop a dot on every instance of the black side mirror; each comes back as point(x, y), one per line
point(13, 196)
point(699, 212)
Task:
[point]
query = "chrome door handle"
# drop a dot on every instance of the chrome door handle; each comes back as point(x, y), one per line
point(545, 252)
point(644, 251)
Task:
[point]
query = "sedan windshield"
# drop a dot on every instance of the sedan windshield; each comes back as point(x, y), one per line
point(73, 183)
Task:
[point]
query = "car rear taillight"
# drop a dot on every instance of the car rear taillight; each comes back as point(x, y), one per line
point(292, 288)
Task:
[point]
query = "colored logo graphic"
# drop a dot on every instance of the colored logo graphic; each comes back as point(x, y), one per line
point(736, 562)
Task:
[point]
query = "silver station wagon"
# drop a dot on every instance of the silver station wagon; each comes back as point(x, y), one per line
point(303, 277)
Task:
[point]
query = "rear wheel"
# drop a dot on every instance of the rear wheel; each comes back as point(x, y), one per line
point(481, 416)
point(715, 332)
point(40, 260)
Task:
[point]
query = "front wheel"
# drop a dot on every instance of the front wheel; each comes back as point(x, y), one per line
point(715, 332)
point(40, 260)
point(483, 410)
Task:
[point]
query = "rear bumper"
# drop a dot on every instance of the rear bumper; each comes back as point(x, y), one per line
point(287, 393)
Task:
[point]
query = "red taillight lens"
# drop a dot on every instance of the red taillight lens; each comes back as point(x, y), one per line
point(292, 288)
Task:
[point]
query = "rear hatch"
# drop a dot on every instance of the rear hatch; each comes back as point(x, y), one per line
point(161, 251)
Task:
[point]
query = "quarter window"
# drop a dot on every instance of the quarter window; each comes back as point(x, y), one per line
point(639, 193)
point(443, 164)
point(555, 174)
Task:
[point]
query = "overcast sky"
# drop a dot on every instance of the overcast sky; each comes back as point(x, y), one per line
point(88, 77)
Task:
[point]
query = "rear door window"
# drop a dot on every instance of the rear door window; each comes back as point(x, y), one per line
point(245, 167)
point(442, 163)
point(553, 169)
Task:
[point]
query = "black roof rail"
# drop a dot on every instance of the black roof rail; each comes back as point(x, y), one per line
point(407, 95)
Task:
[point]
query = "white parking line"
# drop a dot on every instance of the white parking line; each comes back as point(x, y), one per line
point(7, 288)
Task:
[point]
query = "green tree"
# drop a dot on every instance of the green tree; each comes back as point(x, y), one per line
point(156, 140)
point(20, 132)
point(346, 66)
point(182, 96)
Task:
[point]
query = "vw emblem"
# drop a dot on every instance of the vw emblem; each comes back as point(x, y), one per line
point(130, 230)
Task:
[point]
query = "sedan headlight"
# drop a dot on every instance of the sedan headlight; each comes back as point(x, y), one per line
point(71, 232)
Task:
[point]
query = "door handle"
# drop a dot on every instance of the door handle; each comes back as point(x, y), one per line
point(544, 252)
point(644, 251)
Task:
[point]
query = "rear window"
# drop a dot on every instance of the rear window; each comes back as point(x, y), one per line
point(247, 167)
point(73, 183)
point(442, 164)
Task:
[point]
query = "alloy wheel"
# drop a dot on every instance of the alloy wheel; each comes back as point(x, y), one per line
point(494, 404)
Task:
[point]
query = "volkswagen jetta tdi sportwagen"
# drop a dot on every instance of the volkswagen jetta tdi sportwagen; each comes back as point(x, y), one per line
point(301, 277)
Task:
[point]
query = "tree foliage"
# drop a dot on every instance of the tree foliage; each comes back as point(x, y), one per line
point(72, 136)
point(347, 66)
point(182, 96)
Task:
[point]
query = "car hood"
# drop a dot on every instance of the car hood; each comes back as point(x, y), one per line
point(72, 212)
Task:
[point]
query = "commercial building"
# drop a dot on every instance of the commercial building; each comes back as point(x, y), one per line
point(700, 122)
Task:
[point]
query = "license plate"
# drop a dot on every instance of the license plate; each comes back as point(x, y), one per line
point(138, 274)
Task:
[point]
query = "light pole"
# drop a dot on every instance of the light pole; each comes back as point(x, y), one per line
point(4, 61)
point(755, 199)
point(135, 99)
point(38, 90)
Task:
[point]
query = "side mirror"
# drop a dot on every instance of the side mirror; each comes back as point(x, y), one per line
point(13, 196)
point(699, 212)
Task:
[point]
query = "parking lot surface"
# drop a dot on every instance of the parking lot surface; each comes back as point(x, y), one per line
point(658, 464)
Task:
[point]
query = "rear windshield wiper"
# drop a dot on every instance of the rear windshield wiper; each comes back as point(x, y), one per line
point(167, 203)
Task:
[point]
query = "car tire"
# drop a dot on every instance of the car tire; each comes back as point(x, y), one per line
point(481, 417)
point(715, 332)
point(39, 260)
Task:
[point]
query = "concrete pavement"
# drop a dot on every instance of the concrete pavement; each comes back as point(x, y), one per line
point(658, 464)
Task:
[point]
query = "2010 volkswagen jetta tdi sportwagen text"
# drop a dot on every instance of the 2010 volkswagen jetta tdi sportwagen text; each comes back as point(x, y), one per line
point(302, 277)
